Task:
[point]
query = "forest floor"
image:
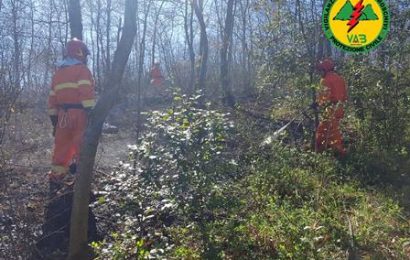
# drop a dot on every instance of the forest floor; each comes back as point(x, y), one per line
point(24, 185)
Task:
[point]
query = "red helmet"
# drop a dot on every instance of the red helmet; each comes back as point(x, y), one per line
point(77, 49)
point(326, 65)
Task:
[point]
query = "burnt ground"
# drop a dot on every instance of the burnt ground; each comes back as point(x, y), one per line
point(23, 180)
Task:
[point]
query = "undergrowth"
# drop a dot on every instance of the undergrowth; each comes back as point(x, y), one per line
point(199, 186)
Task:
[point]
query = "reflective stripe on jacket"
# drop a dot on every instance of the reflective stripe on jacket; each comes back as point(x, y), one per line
point(71, 85)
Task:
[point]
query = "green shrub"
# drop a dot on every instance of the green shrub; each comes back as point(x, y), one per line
point(176, 173)
point(183, 196)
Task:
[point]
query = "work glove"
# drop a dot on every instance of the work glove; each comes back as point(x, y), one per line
point(54, 121)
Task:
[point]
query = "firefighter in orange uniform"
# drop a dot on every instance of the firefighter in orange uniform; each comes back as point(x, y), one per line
point(330, 99)
point(71, 98)
point(156, 76)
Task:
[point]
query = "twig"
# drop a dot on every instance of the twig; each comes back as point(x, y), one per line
point(103, 173)
point(59, 196)
point(60, 230)
point(58, 215)
point(254, 115)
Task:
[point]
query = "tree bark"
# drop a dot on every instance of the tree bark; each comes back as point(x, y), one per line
point(244, 46)
point(141, 68)
point(108, 33)
point(198, 6)
point(189, 35)
point(82, 188)
point(228, 98)
point(154, 36)
point(17, 47)
point(74, 14)
point(67, 19)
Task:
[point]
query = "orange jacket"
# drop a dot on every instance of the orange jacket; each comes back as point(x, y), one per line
point(156, 76)
point(156, 73)
point(333, 89)
point(71, 85)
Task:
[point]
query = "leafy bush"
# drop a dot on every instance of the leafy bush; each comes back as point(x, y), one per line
point(183, 196)
point(175, 174)
point(183, 151)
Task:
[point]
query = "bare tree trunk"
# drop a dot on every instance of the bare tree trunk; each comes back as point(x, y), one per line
point(189, 35)
point(321, 48)
point(74, 13)
point(198, 7)
point(98, 40)
point(154, 37)
point(108, 33)
point(244, 46)
point(228, 98)
point(141, 68)
point(100, 43)
point(16, 45)
point(30, 56)
point(251, 51)
point(49, 40)
point(82, 188)
point(67, 19)
point(169, 58)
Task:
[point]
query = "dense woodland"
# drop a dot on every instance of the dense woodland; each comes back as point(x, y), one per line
point(201, 171)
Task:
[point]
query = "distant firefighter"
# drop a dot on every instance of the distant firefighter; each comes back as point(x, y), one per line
point(156, 75)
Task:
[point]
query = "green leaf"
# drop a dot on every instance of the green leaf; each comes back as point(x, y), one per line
point(101, 200)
